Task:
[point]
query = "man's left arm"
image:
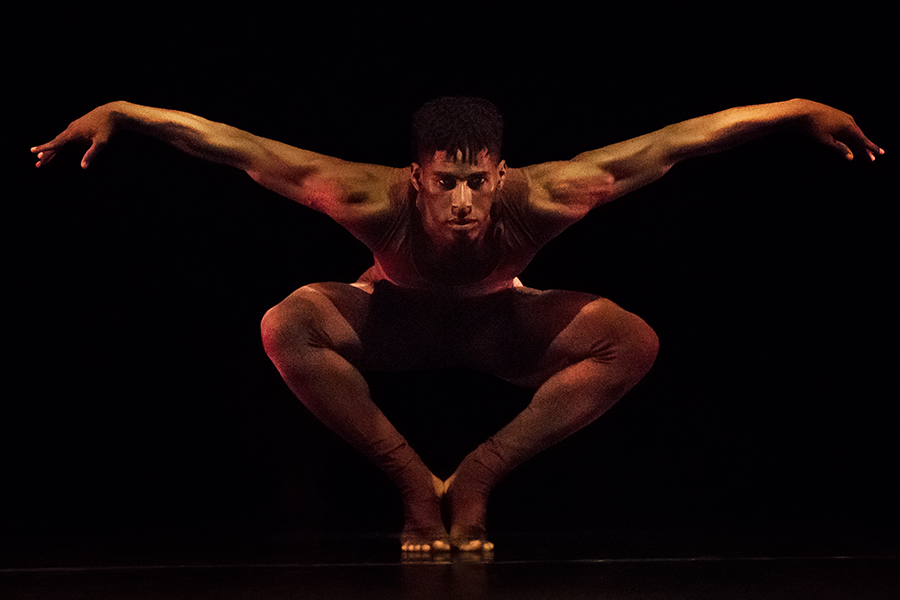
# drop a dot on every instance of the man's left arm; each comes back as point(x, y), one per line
point(565, 191)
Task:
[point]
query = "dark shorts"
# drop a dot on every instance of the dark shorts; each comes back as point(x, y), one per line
point(512, 334)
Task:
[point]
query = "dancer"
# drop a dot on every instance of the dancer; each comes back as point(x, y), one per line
point(450, 235)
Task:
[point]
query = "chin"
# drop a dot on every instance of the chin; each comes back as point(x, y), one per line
point(472, 233)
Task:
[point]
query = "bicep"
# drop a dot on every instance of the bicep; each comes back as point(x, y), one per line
point(599, 176)
point(309, 178)
point(563, 192)
point(559, 194)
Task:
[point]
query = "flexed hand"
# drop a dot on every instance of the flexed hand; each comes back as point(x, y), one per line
point(838, 130)
point(95, 128)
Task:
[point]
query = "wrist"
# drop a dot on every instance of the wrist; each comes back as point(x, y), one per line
point(801, 108)
point(120, 112)
point(794, 114)
point(135, 117)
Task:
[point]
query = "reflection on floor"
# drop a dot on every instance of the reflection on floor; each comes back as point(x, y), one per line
point(624, 565)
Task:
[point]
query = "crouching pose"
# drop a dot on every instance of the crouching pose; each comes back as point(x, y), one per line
point(449, 236)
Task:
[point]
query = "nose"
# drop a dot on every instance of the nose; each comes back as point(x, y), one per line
point(462, 200)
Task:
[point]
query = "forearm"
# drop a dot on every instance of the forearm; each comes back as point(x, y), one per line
point(194, 135)
point(729, 128)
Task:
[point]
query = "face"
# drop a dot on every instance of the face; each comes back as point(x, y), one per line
point(455, 197)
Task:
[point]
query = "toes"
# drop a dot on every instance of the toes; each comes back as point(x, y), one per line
point(471, 546)
point(435, 546)
point(410, 547)
point(470, 539)
point(476, 545)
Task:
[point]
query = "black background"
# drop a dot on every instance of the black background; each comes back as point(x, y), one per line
point(137, 399)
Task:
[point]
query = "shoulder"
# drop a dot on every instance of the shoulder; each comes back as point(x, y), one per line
point(554, 195)
point(568, 187)
point(364, 199)
point(372, 214)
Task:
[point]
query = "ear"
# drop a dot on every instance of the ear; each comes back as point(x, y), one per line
point(415, 175)
point(501, 169)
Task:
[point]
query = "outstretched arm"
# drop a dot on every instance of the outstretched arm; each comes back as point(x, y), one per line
point(569, 189)
point(355, 195)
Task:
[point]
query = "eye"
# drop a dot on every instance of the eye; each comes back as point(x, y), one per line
point(476, 182)
point(446, 183)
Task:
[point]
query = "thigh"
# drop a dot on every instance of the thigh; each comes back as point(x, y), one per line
point(540, 333)
point(309, 319)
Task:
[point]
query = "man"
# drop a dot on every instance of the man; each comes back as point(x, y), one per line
point(450, 234)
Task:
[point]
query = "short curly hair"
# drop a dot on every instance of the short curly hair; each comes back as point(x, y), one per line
point(457, 124)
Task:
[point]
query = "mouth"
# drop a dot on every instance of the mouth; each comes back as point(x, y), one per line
point(462, 224)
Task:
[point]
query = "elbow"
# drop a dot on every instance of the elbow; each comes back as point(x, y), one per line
point(233, 147)
point(585, 190)
point(676, 143)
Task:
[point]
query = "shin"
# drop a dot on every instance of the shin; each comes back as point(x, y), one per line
point(311, 343)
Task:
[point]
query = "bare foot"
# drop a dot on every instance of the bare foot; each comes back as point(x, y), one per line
point(467, 519)
point(423, 530)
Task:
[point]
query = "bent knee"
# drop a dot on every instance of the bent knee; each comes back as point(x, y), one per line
point(623, 336)
point(296, 323)
point(644, 345)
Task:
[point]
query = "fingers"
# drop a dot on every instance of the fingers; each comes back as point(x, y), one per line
point(44, 157)
point(842, 148)
point(45, 152)
point(864, 144)
point(840, 131)
point(93, 151)
point(869, 148)
point(861, 143)
point(872, 150)
point(42, 148)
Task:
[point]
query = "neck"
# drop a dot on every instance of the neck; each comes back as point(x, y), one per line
point(454, 264)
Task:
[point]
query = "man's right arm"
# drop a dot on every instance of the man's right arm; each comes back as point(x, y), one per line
point(356, 195)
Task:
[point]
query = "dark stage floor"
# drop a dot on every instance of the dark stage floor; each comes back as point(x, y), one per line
point(627, 565)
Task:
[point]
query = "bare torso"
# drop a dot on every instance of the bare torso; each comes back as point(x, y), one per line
point(405, 258)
